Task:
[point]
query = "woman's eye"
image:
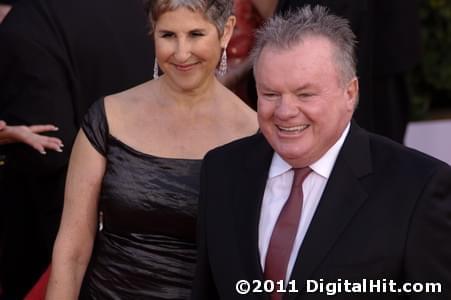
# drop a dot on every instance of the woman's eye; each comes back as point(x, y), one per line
point(166, 34)
point(197, 33)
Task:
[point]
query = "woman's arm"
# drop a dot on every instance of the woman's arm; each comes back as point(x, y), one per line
point(74, 242)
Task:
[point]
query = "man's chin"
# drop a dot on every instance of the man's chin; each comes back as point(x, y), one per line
point(290, 155)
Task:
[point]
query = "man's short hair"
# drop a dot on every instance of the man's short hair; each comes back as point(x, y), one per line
point(287, 30)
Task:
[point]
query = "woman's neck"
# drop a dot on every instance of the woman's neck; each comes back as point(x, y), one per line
point(170, 95)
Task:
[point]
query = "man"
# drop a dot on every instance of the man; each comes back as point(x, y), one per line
point(362, 206)
point(56, 58)
point(388, 34)
point(360, 16)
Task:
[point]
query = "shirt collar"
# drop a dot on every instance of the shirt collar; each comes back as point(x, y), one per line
point(322, 166)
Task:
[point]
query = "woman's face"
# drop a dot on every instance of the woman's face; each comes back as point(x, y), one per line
point(188, 47)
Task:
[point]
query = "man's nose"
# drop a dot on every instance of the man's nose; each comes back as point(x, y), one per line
point(287, 107)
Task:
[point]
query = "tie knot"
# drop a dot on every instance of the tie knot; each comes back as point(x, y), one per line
point(300, 174)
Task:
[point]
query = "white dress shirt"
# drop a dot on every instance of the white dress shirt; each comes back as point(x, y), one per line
point(278, 187)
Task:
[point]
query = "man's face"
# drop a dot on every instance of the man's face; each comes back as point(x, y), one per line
point(303, 107)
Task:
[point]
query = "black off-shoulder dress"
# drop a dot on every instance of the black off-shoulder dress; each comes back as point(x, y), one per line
point(146, 248)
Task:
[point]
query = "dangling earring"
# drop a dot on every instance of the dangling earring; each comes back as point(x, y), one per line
point(155, 70)
point(222, 70)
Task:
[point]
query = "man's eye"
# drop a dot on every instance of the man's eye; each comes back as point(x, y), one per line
point(270, 95)
point(305, 95)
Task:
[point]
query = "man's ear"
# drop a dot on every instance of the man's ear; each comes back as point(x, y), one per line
point(352, 93)
point(228, 31)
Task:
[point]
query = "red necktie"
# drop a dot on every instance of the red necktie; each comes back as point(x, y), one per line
point(284, 233)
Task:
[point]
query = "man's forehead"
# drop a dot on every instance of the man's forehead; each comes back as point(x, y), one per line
point(306, 41)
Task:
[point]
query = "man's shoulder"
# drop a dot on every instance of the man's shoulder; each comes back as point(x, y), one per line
point(391, 154)
point(238, 146)
point(238, 150)
point(367, 153)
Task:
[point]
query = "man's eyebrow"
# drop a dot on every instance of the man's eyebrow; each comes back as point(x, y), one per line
point(304, 87)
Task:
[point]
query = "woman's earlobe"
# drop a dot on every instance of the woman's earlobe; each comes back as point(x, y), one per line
point(232, 20)
point(228, 31)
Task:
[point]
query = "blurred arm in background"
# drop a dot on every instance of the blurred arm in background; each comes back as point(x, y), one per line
point(31, 136)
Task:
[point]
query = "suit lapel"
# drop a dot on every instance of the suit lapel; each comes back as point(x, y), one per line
point(247, 202)
point(341, 199)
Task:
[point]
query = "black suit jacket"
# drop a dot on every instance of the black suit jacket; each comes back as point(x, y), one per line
point(56, 58)
point(385, 213)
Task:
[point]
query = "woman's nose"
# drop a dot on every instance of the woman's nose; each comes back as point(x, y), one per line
point(183, 50)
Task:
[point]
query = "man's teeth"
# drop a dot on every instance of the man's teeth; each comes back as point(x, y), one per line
point(294, 128)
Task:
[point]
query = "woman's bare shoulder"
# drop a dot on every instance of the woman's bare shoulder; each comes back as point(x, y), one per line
point(242, 117)
point(122, 105)
point(123, 98)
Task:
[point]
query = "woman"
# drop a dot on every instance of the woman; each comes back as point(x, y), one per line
point(137, 159)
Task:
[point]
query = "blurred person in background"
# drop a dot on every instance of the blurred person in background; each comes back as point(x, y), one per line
point(31, 136)
point(5, 8)
point(396, 51)
point(250, 14)
point(56, 58)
